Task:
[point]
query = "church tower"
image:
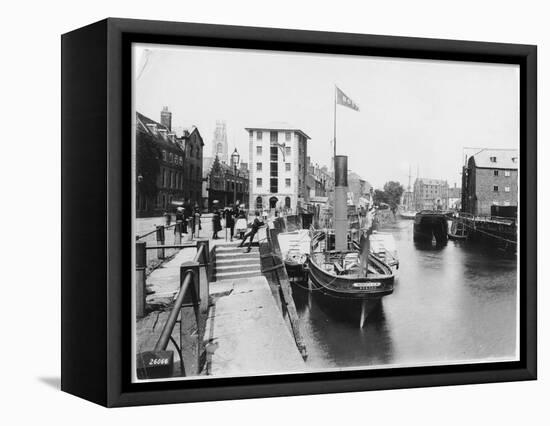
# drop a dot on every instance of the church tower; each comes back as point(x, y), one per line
point(219, 144)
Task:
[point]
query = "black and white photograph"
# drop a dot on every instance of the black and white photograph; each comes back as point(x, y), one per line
point(301, 212)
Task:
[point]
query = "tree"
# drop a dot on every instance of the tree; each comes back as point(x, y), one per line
point(379, 196)
point(393, 192)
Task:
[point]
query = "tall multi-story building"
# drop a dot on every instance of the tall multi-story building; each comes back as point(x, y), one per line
point(168, 167)
point(278, 167)
point(219, 142)
point(490, 181)
point(431, 194)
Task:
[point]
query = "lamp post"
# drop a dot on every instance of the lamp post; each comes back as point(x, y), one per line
point(235, 157)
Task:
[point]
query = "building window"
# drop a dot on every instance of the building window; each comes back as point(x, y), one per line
point(287, 182)
point(274, 170)
point(274, 185)
point(274, 154)
point(259, 203)
point(258, 150)
point(274, 136)
point(507, 173)
point(164, 155)
point(495, 188)
point(259, 182)
point(287, 136)
point(258, 167)
point(506, 189)
point(495, 172)
point(493, 159)
point(287, 151)
point(287, 167)
point(287, 202)
point(259, 135)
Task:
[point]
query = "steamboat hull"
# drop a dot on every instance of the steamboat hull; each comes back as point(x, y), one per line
point(351, 299)
point(349, 287)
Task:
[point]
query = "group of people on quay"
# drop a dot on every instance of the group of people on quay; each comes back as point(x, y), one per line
point(233, 218)
point(188, 220)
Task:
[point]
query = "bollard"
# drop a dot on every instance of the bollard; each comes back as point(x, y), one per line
point(178, 229)
point(141, 264)
point(160, 241)
point(191, 299)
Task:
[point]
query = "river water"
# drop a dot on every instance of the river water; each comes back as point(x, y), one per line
point(455, 303)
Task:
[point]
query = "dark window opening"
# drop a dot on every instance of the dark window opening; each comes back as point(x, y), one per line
point(274, 185)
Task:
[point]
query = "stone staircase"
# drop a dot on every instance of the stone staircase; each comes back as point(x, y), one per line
point(233, 262)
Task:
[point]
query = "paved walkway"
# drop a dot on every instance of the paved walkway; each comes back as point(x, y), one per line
point(246, 333)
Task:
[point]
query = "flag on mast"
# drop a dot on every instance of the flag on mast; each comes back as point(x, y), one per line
point(342, 99)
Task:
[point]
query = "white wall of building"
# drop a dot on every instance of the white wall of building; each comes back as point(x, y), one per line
point(264, 158)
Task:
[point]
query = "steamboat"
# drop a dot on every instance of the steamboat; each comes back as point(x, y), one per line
point(342, 269)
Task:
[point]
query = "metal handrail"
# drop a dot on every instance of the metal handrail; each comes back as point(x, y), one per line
point(187, 282)
point(139, 237)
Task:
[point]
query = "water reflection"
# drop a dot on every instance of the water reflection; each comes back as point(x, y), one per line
point(451, 303)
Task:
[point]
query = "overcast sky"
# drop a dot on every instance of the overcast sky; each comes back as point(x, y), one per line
point(415, 113)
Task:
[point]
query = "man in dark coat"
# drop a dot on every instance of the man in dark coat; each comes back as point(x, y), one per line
point(229, 221)
point(216, 224)
point(256, 225)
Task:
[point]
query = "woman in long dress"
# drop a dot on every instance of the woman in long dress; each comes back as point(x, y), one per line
point(241, 225)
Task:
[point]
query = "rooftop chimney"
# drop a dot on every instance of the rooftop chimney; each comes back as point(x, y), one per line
point(166, 118)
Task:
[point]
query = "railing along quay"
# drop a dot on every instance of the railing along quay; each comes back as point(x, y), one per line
point(194, 289)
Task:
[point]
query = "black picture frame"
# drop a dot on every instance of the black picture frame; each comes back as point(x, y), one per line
point(96, 233)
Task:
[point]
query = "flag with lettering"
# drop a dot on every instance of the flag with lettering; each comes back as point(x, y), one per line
point(342, 99)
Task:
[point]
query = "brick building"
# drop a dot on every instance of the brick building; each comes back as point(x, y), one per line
point(168, 166)
point(490, 178)
point(220, 182)
point(431, 194)
point(278, 167)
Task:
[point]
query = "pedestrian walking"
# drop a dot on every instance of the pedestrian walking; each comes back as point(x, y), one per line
point(197, 224)
point(241, 225)
point(178, 229)
point(229, 222)
point(256, 225)
point(187, 216)
point(216, 224)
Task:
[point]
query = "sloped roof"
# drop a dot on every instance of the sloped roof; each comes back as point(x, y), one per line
point(208, 163)
point(503, 157)
point(278, 125)
point(427, 181)
point(142, 121)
